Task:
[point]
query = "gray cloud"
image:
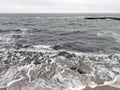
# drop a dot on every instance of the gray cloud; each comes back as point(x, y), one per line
point(53, 6)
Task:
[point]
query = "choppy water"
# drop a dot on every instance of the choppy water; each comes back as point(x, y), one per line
point(47, 51)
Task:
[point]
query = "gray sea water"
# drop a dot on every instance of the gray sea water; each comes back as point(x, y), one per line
point(58, 51)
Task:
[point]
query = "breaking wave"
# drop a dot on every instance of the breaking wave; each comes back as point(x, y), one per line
point(48, 69)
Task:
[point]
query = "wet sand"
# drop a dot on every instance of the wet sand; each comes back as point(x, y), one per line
point(88, 88)
point(102, 88)
point(3, 88)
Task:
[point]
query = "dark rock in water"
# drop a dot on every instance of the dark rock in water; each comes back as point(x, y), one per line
point(110, 56)
point(49, 61)
point(66, 54)
point(63, 53)
point(70, 56)
point(73, 68)
point(78, 70)
point(17, 30)
point(57, 47)
point(36, 62)
point(27, 46)
point(81, 71)
point(92, 18)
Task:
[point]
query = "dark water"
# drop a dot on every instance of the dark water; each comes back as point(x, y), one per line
point(69, 31)
point(40, 49)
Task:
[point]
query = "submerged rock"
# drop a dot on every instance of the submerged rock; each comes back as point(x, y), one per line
point(73, 68)
point(81, 71)
point(17, 30)
point(110, 56)
point(66, 54)
point(36, 62)
point(56, 47)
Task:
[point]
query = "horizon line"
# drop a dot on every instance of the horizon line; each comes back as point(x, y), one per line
point(59, 13)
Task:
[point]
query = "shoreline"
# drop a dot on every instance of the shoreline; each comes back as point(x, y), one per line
point(105, 87)
point(3, 88)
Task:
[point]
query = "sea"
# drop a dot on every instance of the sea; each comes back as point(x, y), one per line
point(59, 51)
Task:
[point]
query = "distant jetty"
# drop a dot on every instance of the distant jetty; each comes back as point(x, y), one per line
point(92, 18)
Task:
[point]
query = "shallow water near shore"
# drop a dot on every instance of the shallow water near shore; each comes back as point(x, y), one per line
point(58, 51)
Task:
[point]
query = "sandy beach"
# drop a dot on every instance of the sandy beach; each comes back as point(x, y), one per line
point(102, 88)
point(3, 88)
point(88, 88)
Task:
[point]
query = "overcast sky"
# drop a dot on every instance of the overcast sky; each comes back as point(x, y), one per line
point(59, 6)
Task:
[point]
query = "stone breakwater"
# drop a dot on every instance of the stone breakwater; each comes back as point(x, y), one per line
point(102, 18)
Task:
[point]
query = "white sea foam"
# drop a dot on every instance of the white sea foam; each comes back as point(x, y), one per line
point(41, 46)
point(58, 75)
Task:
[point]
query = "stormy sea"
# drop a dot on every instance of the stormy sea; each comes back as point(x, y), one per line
point(59, 51)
